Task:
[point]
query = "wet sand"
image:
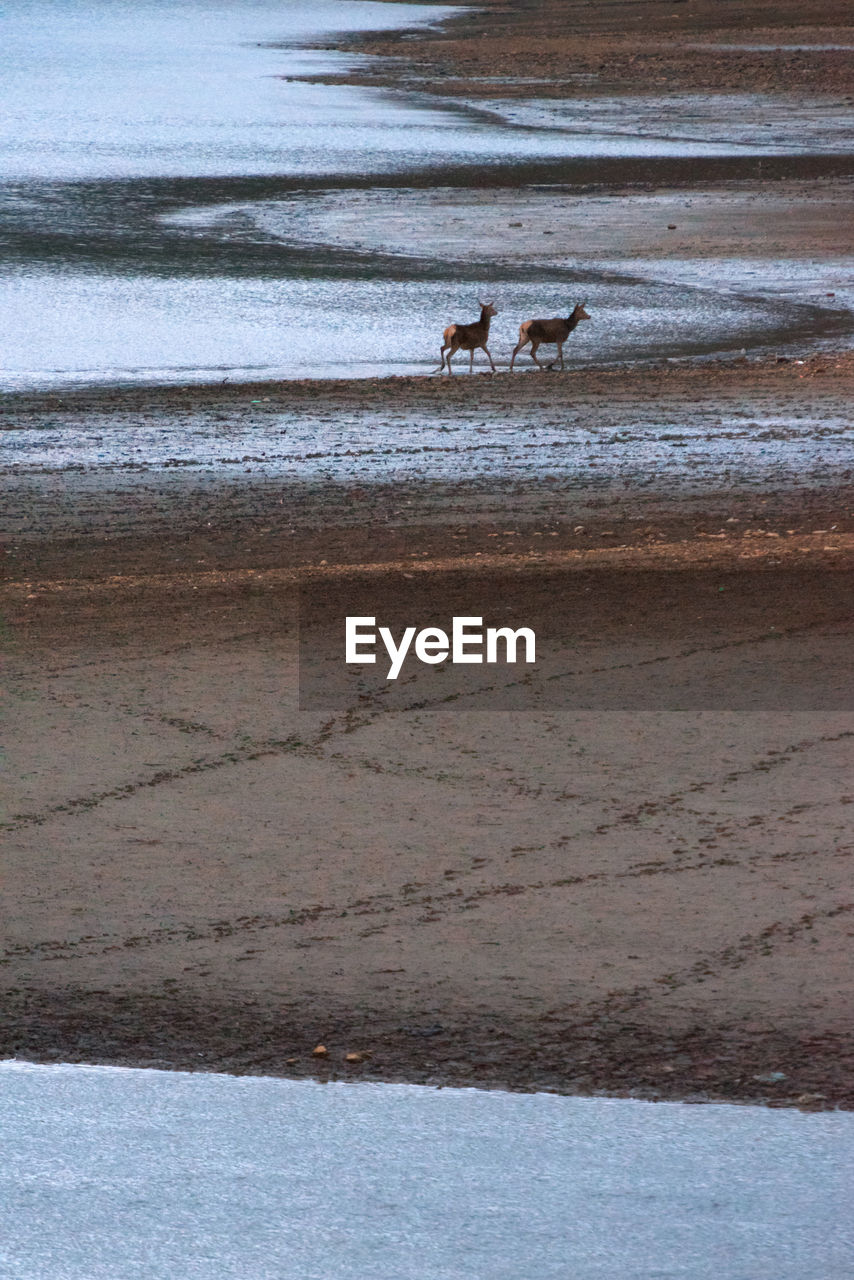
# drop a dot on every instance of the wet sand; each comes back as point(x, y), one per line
point(287, 475)
point(559, 48)
point(643, 902)
point(647, 902)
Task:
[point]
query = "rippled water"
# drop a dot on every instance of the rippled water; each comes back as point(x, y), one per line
point(112, 1174)
point(133, 328)
point(132, 133)
point(115, 88)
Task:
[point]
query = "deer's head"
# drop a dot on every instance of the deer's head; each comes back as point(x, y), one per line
point(578, 312)
point(487, 310)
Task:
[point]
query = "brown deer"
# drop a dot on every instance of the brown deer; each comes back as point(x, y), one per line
point(548, 331)
point(468, 337)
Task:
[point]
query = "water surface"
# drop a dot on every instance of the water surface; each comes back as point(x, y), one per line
point(115, 1174)
point(153, 153)
point(114, 88)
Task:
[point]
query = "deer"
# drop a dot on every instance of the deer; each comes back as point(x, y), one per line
point(548, 331)
point(468, 337)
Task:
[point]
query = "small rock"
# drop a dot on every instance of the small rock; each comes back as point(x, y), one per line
point(433, 1029)
point(353, 1057)
point(320, 1051)
point(810, 1100)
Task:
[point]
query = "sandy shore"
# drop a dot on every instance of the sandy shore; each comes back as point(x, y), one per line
point(642, 897)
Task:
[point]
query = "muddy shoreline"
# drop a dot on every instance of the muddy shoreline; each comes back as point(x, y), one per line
point(556, 470)
point(593, 1057)
point(556, 49)
point(533, 938)
point(646, 378)
point(649, 904)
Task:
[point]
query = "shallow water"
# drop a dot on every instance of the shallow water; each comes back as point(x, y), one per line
point(152, 152)
point(252, 329)
point(110, 88)
point(115, 1174)
point(698, 123)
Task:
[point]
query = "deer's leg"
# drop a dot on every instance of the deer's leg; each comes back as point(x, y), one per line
point(491, 361)
point(518, 347)
point(452, 352)
point(560, 353)
point(442, 358)
point(534, 348)
point(471, 360)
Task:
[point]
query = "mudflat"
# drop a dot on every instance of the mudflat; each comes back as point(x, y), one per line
point(651, 902)
point(615, 892)
point(561, 48)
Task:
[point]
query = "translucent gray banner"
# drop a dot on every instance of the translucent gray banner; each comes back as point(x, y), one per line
point(600, 639)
